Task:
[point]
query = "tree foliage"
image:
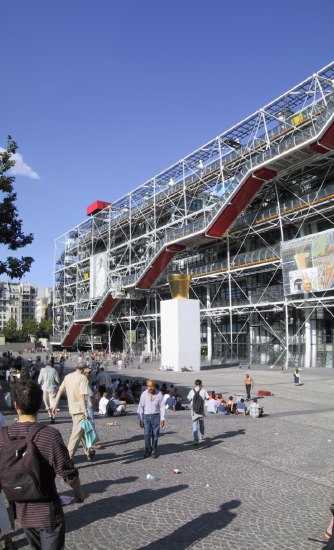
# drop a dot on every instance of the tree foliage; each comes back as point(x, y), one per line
point(30, 327)
point(11, 233)
point(11, 332)
point(44, 328)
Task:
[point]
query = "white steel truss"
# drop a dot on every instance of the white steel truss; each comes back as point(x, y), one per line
point(182, 204)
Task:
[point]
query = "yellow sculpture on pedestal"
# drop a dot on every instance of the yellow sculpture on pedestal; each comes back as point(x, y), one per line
point(179, 285)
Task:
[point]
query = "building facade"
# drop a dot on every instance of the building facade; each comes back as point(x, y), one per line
point(250, 215)
point(18, 302)
point(44, 301)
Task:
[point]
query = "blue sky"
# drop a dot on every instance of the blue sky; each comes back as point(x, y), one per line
point(102, 95)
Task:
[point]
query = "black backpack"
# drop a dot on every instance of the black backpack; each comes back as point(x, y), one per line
point(25, 475)
point(198, 403)
point(110, 410)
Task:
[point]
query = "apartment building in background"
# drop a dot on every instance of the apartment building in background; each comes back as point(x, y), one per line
point(23, 302)
point(43, 304)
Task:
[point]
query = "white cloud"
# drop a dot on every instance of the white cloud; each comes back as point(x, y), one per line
point(21, 168)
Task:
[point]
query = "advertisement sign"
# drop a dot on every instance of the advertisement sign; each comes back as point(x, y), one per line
point(98, 275)
point(308, 263)
point(131, 336)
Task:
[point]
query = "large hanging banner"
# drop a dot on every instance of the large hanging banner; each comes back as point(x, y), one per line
point(98, 275)
point(308, 263)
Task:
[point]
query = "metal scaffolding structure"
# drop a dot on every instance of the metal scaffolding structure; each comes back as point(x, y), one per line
point(221, 214)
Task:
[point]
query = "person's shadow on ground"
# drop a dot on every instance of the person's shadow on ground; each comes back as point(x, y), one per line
point(170, 448)
point(176, 448)
point(101, 485)
point(110, 507)
point(132, 439)
point(196, 529)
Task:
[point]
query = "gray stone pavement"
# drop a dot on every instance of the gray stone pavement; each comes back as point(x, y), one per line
point(255, 484)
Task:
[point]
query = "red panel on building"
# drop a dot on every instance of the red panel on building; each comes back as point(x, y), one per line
point(72, 334)
point(318, 148)
point(265, 174)
point(106, 308)
point(232, 211)
point(96, 207)
point(242, 198)
point(158, 266)
point(327, 140)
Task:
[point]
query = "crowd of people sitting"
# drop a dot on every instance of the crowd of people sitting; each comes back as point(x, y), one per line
point(111, 395)
point(217, 404)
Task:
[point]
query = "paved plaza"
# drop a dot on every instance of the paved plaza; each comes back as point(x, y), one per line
point(260, 484)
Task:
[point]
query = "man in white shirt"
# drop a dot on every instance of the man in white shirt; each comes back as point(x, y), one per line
point(255, 411)
point(48, 379)
point(212, 405)
point(197, 396)
point(151, 411)
point(103, 404)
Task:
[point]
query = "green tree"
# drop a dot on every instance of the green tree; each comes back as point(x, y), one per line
point(11, 234)
point(11, 332)
point(44, 328)
point(29, 328)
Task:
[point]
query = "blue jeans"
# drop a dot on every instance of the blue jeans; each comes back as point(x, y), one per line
point(198, 429)
point(47, 539)
point(151, 432)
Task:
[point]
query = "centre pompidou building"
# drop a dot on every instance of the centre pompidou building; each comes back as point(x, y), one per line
point(250, 215)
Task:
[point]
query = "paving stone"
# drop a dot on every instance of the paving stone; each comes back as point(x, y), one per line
point(254, 484)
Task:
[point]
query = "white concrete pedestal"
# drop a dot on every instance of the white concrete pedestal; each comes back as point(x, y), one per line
point(180, 334)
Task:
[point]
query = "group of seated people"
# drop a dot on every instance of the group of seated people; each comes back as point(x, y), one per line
point(112, 400)
point(172, 400)
point(217, 404)
point(122, 390)
point(110, 396)
point(111, 406)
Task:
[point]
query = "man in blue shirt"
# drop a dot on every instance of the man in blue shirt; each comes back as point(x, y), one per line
point(151, 411)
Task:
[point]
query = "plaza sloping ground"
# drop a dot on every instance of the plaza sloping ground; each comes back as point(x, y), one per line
point(264, 484)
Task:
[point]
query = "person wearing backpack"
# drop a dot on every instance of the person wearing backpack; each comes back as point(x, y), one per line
point(197, 397)
point(31, 456)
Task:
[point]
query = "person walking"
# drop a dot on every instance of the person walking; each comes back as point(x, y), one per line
point(61, 367)
point(48, 379)
point(248, 381)
point(296, 377)
point(151, 411)
point(76, 387)
point(44, 456)
point(90, 406)
point(197, 397)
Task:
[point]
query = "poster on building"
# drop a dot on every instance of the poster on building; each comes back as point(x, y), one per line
point(98, 275)
point(131, 336)
point(308, 263)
